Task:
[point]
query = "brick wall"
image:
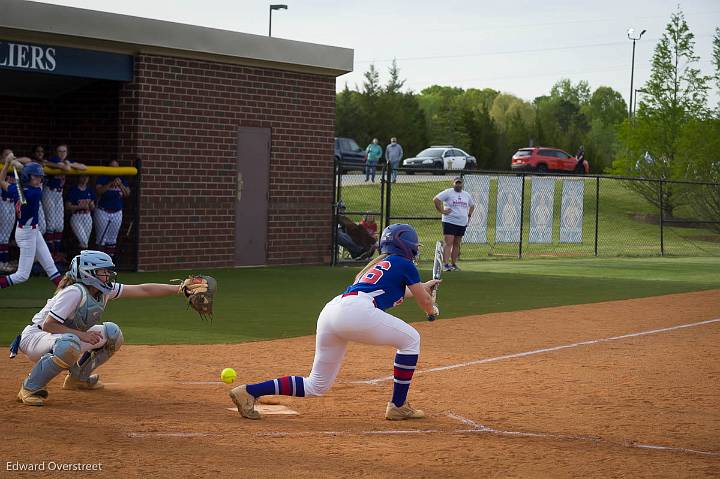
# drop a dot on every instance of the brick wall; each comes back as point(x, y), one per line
point(85, 119)
point(178, 115)
point(23, 123)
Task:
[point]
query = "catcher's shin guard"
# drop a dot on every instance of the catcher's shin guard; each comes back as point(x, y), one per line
point(65, 352)
point(81, 372)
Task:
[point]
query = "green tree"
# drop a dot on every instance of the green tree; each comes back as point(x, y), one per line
point(716, 63)
point(675, 94)
point(605, 110)
point(395, 84)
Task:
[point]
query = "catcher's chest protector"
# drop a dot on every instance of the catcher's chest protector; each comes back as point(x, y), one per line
point(89, 310)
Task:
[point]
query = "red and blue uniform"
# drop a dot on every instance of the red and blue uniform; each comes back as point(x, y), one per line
point(29, 213)
point(76, 194)
point(54, 208)
point(386, 281)
point(8, 217)
point(55, 182)
point(29, 239)
point(81, 221)
point(112, 200)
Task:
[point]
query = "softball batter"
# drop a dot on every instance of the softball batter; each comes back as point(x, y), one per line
point(358, 315)
point(27, 235)
point(66, 335)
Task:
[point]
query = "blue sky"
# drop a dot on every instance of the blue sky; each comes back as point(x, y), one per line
point(518, 46)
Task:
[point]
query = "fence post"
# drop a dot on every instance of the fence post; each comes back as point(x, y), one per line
point(597, 211)
point(388, 193)
point(522, 214)
point(383, 185)
point(662, 219)
point(337, 180)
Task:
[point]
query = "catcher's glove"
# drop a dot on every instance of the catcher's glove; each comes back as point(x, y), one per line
point(199, 291)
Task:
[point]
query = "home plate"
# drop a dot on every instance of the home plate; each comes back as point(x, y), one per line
point(271, 410)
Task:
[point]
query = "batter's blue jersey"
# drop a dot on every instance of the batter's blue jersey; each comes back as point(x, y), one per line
point(29, 213)
point(8, 195)
point(386, 281)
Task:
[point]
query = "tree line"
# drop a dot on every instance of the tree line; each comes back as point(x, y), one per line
point(488, 124)
point(675, 133)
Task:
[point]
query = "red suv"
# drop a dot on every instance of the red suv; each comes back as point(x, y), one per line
point(544, 160)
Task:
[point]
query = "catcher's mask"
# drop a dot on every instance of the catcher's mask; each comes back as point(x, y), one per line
point(400, 239)
point(84, 268)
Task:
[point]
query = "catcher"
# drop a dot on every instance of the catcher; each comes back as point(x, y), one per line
point(67, 335)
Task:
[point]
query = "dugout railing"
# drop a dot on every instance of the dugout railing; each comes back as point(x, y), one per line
point(553, 215)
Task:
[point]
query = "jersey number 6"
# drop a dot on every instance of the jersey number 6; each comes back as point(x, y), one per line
point(374, 275)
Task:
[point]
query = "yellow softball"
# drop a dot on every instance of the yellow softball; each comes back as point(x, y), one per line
point(228, 375)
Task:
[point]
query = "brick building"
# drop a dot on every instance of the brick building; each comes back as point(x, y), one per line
point(232, 133)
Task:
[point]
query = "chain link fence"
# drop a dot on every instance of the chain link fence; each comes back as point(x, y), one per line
point(546, 215)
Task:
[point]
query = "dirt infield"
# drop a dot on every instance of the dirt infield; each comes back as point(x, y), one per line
point(558, 392)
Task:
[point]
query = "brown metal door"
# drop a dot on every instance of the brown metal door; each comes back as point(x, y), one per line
point(251, 203)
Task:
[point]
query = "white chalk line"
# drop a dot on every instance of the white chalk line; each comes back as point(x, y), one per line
point(543, 350)
point(480, 428)
point(174, 434)
point(474, 427)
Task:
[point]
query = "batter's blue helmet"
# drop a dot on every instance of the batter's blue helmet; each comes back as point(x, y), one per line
point(400, 239)
point(84, 266)
point(31, 169)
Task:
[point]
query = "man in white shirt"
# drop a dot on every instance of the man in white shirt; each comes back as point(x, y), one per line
point(456, 207)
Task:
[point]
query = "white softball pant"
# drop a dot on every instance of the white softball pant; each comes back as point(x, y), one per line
point(7, 220)
point(353, 318)
point(35, 342)
point(52, 202)
point(32, 246)
point(107, 226)
point(81, 224)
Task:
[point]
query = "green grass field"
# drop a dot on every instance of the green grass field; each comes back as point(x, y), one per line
point(627, 224)
point(278, 302)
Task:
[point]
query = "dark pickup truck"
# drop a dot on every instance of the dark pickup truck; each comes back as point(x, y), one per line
point(351, 156)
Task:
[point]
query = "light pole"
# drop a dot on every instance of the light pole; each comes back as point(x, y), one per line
point(631, 36)
point(274, 7)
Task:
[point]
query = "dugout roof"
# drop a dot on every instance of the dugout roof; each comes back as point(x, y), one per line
point(34, 22)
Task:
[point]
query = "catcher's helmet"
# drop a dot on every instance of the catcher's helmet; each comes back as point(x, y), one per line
point(84, 266)
point(31, 169)
point(400, 239)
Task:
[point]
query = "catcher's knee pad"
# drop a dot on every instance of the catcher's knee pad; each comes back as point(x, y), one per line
point(114, 336)
point(66, 350)
point(411, 345)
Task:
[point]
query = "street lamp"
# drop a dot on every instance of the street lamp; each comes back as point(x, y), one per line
point(275, 7)
point(631, 36)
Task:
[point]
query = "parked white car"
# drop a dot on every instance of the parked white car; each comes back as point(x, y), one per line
point(443, 157)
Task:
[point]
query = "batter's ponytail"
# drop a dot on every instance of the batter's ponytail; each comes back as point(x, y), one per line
point(369, 266)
